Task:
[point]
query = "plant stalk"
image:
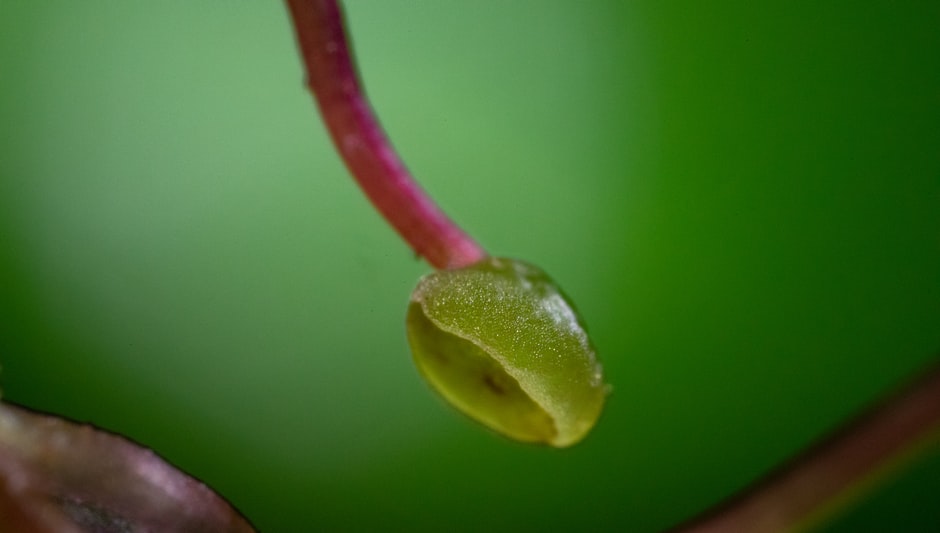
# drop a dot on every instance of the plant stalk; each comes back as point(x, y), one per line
point(795, 496)
point(367, 152)
point(839, 469)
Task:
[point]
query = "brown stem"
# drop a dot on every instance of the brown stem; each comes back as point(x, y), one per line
point(840, 467)
point(331, 75)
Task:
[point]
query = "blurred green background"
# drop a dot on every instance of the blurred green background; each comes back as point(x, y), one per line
point(742, 198)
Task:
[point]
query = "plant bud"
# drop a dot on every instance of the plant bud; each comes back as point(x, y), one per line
point(502, 343)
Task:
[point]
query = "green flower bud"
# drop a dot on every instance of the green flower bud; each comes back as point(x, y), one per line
point(502, 343)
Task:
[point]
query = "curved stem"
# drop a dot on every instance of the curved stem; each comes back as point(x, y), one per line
point(795, 496)
point(836, 470)
point(357, 135)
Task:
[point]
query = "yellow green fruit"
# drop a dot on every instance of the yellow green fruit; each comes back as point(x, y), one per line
point(502, 343)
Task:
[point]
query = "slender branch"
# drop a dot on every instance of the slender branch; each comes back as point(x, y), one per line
point(331, 75)
point(836, 470)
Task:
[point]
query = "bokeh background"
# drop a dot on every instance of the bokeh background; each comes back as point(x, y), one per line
point(742, 198)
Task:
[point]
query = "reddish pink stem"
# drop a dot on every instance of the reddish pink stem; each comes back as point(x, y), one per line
point(363, 145)
point(790, 498)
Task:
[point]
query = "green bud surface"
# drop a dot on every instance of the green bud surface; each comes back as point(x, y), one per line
point(502, 343)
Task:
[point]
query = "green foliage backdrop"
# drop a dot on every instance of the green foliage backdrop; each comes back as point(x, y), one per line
point(742, 198)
